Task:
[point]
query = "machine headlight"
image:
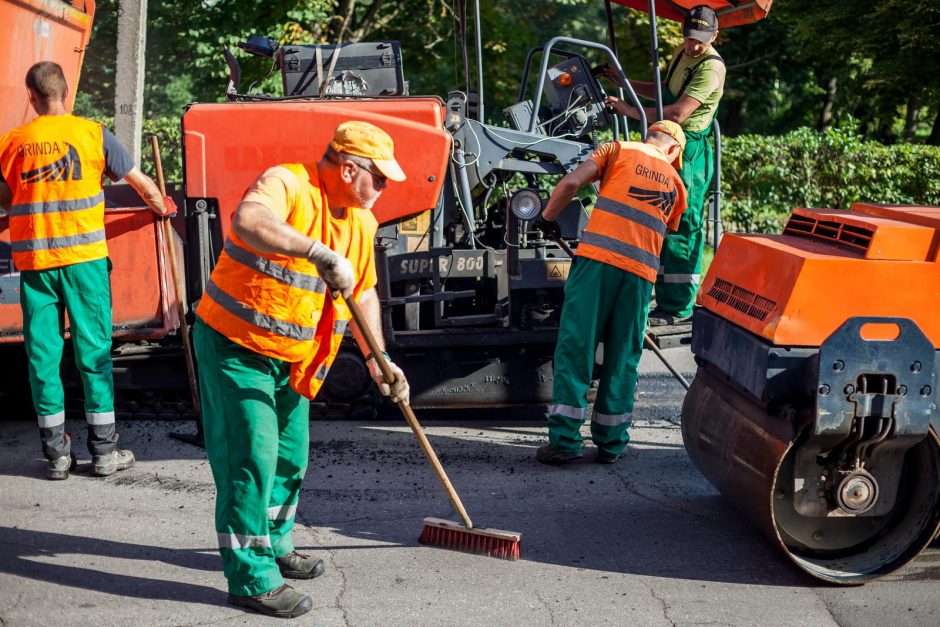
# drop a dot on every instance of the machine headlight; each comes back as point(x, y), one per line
point(526, 204)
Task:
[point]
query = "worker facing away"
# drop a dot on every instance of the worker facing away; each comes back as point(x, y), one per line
point(607, 294)
point(693, 87)
point(51, 171)
point(266, 333)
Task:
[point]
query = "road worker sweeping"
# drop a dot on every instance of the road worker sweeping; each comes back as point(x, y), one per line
point(607, 295)
point(51, 170)
point(266, 334)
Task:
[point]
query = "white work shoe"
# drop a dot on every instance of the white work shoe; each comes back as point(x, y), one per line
point(59, 468)
point(118, 459)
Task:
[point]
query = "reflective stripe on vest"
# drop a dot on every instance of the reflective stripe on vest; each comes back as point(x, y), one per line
point(56, 206)
point(268, 303)
point(57, 243)
point(639, 192)
point(258, 319)
point(621, 248)
point(630, 213)
point(300, 280)
point(54, 165)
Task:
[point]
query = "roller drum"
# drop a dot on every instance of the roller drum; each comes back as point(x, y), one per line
point(749, 456)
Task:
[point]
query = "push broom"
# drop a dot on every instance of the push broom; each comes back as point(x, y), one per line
point(437, 532)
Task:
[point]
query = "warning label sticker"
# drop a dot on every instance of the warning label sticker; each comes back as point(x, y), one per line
point(558, 270)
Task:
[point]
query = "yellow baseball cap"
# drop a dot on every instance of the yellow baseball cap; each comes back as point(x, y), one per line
point(368, 140)
point(673, 130)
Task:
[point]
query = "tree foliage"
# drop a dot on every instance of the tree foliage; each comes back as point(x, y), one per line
point(817, 64)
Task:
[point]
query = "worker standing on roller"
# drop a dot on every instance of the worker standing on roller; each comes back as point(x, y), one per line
point(607, 294)
point(691, 92)
point(51, 170)
point(266, 334)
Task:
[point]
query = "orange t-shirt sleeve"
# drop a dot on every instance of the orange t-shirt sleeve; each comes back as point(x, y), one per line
point(603, 155)
point(276, 189)
point(678, 206)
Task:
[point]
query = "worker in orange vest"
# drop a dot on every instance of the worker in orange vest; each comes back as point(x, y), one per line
point(51, 170)
point(266, 333)
point(607, 294)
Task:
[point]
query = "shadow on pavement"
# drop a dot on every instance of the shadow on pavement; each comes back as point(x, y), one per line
point(26, 552)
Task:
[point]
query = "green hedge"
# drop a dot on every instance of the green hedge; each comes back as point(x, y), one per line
point(763, 177)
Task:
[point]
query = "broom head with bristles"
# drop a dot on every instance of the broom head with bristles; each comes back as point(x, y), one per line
point(479, 540)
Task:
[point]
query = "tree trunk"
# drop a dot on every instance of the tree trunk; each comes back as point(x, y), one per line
point(911, 118)
point(934, 139)
point(825, 117)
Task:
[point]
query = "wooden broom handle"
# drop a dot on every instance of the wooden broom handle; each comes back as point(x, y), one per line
point(178, 288)
point(406, 410)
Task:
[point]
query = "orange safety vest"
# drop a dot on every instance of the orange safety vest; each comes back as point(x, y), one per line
point(277, 305)
point(54, 165)
point(641, 196)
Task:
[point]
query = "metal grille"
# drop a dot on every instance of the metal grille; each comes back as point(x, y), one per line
point(743, 300)
point(854, 237)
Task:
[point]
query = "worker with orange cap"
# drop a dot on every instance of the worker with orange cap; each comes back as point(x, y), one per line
point(267, 331)
point(607, 294)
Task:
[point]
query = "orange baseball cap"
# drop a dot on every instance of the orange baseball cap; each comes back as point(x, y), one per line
point(673, 130)
point(368, 140)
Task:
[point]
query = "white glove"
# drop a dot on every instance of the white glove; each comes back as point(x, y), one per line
point(398, 391)
point(333, 268)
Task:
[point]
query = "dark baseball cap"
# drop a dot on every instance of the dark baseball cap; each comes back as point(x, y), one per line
point(700, 23)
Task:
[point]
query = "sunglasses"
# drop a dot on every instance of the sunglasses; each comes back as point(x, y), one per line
point(376, 175)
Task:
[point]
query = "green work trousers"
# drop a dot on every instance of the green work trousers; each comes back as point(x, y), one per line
point(257, 439)
point(681, 258)
point(602, 304)
point(83, 290)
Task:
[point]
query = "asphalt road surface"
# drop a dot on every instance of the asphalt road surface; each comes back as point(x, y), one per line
point(644, 542)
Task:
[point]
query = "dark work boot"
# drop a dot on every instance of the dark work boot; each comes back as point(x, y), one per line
point(296, 565)
point(110, 463)
point(58, 468)
point(603, 457)
point(283, 602)
point(553, 457)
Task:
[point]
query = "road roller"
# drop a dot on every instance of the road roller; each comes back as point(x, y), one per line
point(814, 405)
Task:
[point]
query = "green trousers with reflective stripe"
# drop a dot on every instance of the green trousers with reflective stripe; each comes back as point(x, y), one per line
point(257, 439)
point(681, 257)
point(84, 291)
point(602, 304)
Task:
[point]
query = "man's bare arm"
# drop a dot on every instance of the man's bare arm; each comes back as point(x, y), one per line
point(372, 312)
point(258, 227)
point(677, 112)
point(567, 187)
point(147, 190)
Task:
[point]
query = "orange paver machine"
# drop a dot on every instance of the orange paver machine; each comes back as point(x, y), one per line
point(814, 409)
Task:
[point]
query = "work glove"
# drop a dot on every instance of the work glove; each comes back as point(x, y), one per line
point(549, 227)
point(170, 207)
point(333, 268)
point(398, 391)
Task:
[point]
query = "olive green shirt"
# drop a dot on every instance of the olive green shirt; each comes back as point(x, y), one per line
point(707, 86)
